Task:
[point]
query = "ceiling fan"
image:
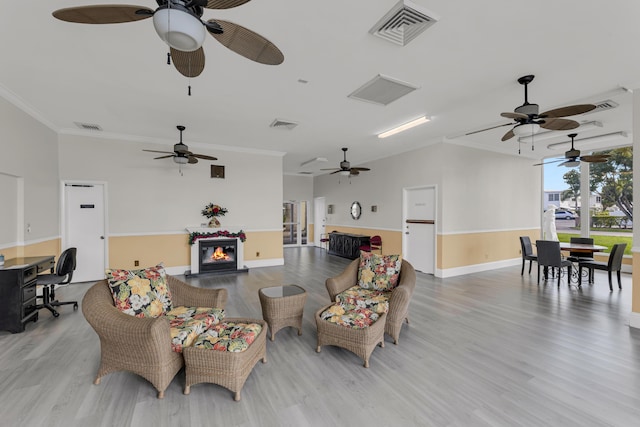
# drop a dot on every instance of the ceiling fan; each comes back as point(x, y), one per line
point(179, 24)
point(345, 167)
point(181, 153)
point(528, 121)
point(572, 157)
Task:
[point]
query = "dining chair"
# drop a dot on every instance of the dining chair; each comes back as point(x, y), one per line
point(580, 256)
point(375, 244)
point(549, 256)
point(614, 264)
point(527, 253)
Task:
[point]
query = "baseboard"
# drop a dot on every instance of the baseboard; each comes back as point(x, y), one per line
point(476, 268)
point(264, 262)
point(634, 320)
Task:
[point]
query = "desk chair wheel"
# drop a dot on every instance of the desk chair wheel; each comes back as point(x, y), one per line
point(75, 306)
point(55, 314)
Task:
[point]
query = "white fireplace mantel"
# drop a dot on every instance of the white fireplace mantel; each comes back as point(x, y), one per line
point(195, 260)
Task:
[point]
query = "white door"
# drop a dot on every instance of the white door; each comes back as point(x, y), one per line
point(84, 221)
point(419, 238)
point(319, 220)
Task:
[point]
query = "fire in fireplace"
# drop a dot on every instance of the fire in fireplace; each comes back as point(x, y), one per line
point(218, 255)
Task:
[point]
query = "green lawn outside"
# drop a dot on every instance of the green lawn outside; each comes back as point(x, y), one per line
point(607, 241)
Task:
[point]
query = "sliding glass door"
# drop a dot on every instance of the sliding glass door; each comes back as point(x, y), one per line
point(294, 223)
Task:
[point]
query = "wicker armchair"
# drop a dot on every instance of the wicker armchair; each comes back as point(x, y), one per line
point(398, 302)
point(141, 346)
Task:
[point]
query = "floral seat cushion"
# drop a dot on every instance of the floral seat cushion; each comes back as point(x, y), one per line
point(229, 336)
point(379, 272)
point(357, 297)
point(140, 293)
point(187, 323)
point(358, 318)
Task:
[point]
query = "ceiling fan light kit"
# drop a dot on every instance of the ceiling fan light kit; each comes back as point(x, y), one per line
point(178, 28)
point(526, 129)
point(403, 127)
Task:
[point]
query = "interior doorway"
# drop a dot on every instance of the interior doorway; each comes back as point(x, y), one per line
point(85, 228)
point(319, 220)
point(419, 232)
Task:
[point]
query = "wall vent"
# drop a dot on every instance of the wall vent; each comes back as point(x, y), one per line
point(403, 23)
point(88, 126)
point(382, 90)
point(603, 106)
point(283, 124)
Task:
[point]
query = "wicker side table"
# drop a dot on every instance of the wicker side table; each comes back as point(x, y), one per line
point(362, 342)
point(282, 306)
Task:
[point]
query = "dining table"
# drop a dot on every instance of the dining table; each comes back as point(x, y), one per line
point(581, 247)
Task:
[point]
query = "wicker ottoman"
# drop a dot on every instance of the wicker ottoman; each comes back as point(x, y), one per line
point(283, 306)
point(361, 341)
point(226, 368)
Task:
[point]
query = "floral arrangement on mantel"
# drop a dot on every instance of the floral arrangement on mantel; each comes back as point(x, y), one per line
point(193, 237)
point(212, 211)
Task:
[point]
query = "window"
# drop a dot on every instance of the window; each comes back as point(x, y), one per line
point(554, 197)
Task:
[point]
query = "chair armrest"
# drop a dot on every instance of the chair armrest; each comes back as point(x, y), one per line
point(132, 335)
point(343, 281)
point(401, 294)
point(190, 296)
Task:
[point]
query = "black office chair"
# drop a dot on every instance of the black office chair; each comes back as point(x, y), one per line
point(580, 256)
point(527, 253)
point(614, 264)
point(64, 272)
point(549, 256)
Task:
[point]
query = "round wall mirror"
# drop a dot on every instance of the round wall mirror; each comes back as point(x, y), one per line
point(356, 210)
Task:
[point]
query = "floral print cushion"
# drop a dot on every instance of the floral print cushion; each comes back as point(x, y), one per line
point(358, 318)
point(187, 323)
point(378, 272)
point(231, 337)
point(357, 297)
point(140, 293)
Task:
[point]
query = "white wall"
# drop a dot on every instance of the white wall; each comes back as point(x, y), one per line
point(29, 153)
point(298, 187)
point(150, 196)
point(477, 190)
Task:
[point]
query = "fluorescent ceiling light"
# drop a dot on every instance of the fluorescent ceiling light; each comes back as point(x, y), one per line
point(590, 140)
point(402, 128)
point(584, 127)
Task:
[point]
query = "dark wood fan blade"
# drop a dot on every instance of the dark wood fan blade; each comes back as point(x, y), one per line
point(492, 127)
point(330, 169)
point(189, 64)
point(360, 169)
point(156, 151)
point(225, 4)
point(204, 157)
point(354, 171)
point(103, 14)
point(508, 135)
point(559, 124)
point(338, 171)
point(192, 160)
point(164, 157)
point(248, 44)
point(515, 116)
point(596, 158)
point(570, 110)
point(553, 161)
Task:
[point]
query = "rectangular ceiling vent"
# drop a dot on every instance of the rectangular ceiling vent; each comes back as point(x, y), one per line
point(382, 90)
point(403, 23)
point(88, 126)
point(603, 106)
point(283, 124)
point(305, 173)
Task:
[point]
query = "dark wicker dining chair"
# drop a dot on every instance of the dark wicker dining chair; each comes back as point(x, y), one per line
point(549, 256)
point(527, 253)
point(580, 256)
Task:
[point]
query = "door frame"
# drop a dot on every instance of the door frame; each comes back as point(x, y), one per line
point(405, 191)
point(63, 214)
point(319, 219)
point(298, 242)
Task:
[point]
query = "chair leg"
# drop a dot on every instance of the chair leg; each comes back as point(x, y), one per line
point(522, 271)
point(579, 276)
point(530, 264)
point(610, 285)
point(538, 282)
point(619, 281)
point(569, 269)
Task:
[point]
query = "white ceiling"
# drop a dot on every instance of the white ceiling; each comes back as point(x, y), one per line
point(466, 67)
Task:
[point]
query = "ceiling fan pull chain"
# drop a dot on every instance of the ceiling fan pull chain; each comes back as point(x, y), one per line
point(189, 90)
point(168, 58)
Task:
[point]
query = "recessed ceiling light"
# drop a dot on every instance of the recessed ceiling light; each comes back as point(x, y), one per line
point(402, 128)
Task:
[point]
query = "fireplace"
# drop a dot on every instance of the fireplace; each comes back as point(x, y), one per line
point(218, 255)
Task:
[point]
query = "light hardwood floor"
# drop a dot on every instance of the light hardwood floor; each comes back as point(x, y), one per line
point(487, 349)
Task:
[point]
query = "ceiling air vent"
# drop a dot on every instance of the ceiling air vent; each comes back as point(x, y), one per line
point(87, 126)
point(603, 106)
point(403, 23)
point(382, 90)
point(283, 124)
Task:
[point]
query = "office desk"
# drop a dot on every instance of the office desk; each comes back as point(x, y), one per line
point(18, 290)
